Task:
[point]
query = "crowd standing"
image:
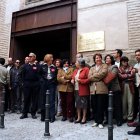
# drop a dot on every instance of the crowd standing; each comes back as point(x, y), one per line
point(78, 92)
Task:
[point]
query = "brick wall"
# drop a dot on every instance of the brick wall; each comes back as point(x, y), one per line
point(3, 40)
point(6, 9)
point(134, 23)
point(132, 16)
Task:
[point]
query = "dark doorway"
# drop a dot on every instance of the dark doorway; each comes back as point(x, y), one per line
point(47, 28)
point(56, 42)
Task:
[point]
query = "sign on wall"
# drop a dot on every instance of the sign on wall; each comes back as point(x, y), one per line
point(91, 41)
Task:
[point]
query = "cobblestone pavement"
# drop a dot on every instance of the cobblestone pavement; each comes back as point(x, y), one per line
point(33, 129)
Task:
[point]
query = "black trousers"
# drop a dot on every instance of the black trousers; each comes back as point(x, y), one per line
point(139, 105)
point(138, 128)
point(16, 98)
point(30, 91)
point(117, 105)
point(88, 109)
point(99, 102)
point(2, 88)
point(136, 102)
point(7, 98)
point(52, 89)
point(93, 109)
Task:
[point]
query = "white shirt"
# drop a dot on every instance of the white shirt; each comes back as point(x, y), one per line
point(9, 67)
point(77, 77)
point(49, 76)
point(137, 77)
point(117, 64)
point(65, 69)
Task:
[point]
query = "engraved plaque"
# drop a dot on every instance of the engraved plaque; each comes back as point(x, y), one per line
point(91, 41)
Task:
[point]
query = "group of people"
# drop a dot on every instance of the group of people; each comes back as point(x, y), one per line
point(81, 90)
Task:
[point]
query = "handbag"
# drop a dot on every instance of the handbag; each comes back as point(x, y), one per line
point(109, 77)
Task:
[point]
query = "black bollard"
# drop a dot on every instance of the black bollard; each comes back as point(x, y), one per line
point(2, 109)
point(47, 106)
point(110, 116)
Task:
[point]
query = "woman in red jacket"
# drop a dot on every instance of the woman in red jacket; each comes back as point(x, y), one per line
point(82, 91)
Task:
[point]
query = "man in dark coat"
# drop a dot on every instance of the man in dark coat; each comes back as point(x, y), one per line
point(30, 76)
point(15, 88)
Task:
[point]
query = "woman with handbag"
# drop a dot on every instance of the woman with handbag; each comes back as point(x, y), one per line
point(113, 85)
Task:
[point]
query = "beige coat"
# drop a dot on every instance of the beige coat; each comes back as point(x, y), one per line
point(96, 77)
point(64, 84)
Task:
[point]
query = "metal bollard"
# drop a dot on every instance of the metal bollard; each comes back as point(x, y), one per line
point(2, 109)
point(110, 116)
point(47, 106)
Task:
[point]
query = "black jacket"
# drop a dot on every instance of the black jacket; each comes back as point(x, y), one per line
point(53, 73)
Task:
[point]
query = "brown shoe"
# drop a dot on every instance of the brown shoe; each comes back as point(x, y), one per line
point(132, 124)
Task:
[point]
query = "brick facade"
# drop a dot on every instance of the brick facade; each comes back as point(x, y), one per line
point(6, 9)
point(120, 19)
point(134, 23)
point(3, 40)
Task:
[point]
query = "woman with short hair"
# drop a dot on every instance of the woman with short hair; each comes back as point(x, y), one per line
point(58, 64)
point(113, 85)
point(126, 76)
point(82, 91)
point(65, 89)
point(98, 89)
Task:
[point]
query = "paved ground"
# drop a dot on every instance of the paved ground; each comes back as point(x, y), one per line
point(29, 129)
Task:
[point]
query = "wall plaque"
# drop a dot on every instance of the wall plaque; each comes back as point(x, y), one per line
point(91, 41)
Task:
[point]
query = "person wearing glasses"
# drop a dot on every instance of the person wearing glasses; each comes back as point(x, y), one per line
point(15, 88)
point(30, 75)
